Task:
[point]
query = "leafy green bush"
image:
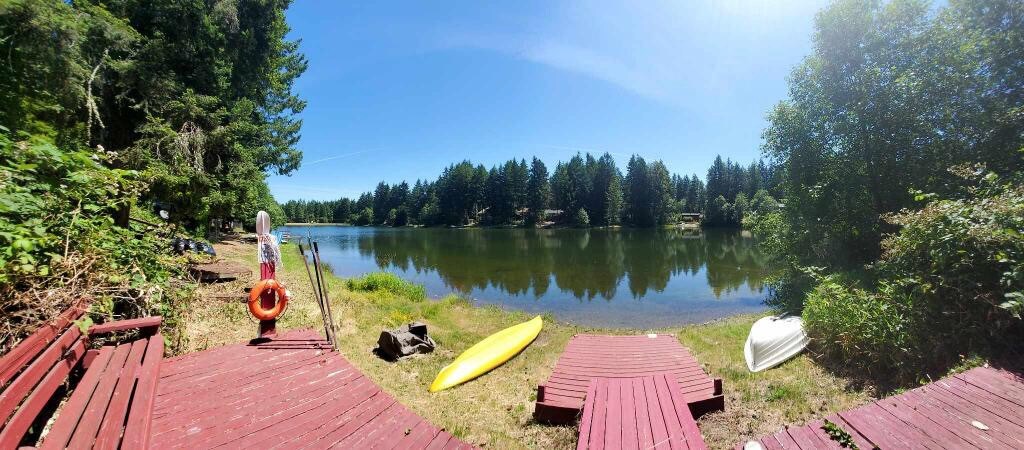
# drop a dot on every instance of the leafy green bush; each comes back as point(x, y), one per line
point(950, 284)
point(873, 331)
point(387, 282)
point(50, 199)
point(58, 241)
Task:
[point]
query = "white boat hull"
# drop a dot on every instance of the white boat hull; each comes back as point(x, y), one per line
point(773, 340)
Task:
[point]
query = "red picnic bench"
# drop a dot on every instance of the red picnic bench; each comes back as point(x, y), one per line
point(637, 413)
point(111, 388)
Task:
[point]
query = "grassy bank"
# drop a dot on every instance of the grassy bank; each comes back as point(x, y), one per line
point(497, 408)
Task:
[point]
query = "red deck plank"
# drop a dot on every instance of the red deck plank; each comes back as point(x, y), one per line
point(306, 405)
point(922, 421)
point(417, 438)
point(85, 433)
point(70, 415)
point(597, 428)
point(646, 412)
point(13, 394)
point(378, 405)
point(352, 411)
point(139, 423)
point(1007, 391)
point(372, 430)
point(659, 432)
point(109, 435)
point(13, 362)
point(587, 419)
point(343, 424)
point(233, 372)
point(823, 437)
point(686, 420)
point(962, 411)
point(770, 443)
point(630, 436)
point(785, 440)
point(248, 390)
point(15, 429)
point(404, 425)
point(982, 398)
point(675, 432)
point(803, 437)
point(645, 434)
point(440, 441)
point(335, 415)
point(1002, 379)
point(190, 363)
point(859, 439)
point(278, 408)
point(122, 325)
point(359, 391)
point(938, 415)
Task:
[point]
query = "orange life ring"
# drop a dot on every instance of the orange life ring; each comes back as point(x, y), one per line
point(257, 291)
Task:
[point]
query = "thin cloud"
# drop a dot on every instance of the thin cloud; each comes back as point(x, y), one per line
point(340, 156)
point(565, 56)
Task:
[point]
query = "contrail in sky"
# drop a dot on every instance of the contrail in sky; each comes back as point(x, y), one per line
point(340, 156)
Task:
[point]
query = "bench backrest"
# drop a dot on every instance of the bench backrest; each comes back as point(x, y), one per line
point(33, 371)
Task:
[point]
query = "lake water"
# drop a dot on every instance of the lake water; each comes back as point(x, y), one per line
point(638, 278)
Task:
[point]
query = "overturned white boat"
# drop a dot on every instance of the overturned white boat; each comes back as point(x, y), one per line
point(772, 340)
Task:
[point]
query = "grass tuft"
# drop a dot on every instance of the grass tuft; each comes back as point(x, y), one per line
point(387, 282)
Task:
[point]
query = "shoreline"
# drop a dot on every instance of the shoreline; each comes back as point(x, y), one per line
point(681, 226)
point(496, 409)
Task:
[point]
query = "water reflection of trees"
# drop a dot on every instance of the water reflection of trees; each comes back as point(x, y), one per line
point(586, 263)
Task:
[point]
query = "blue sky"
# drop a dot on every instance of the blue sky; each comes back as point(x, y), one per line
point(399, 90)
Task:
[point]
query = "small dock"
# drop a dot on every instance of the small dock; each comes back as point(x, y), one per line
point(290, 392)
point(637, 413)
point(979, 408)
point(588, 357)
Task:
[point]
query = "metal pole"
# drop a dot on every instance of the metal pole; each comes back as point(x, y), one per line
point(316, 293)
point(327, 300)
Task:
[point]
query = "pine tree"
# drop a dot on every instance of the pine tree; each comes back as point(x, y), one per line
point(538, 193)
point(659, 193)
point(613, 201)
point(637, 192)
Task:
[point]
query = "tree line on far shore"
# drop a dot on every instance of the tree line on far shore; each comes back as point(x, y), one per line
point(584, 191)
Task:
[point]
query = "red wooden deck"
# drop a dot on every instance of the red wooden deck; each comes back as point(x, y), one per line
point(587, 357)
point(980, 408)
point(287, 393)
point(637, 413)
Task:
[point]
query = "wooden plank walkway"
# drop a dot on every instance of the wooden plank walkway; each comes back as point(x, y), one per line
point(587, 356)
point(637, 413)
point(287, 393)
point(980, 408)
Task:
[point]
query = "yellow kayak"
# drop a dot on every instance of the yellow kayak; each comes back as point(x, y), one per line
point(487, 354)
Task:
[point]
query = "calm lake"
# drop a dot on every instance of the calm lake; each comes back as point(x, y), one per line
point(642, 278)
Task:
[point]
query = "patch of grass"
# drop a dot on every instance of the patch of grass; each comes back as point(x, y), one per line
point(757, 404)
point(387, 282)
point(777, 393)
point(496, 410)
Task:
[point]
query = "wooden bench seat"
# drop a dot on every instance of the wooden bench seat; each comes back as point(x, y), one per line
point(111, 403)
